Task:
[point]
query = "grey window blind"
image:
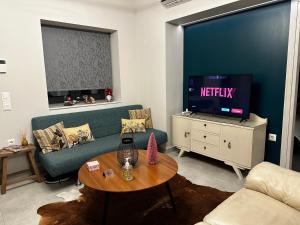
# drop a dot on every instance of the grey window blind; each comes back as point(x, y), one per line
point(76, 59)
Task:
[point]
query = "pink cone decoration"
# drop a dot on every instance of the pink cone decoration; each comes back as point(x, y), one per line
point(152, 151)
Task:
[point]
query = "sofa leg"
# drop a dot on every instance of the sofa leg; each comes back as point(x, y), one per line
point(78, 182)
point(162, 148)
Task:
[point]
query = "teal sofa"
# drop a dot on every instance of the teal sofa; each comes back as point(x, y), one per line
point(105, 125)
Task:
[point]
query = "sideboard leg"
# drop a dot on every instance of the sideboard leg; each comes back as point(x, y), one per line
point(238, 172)
point(180, 153)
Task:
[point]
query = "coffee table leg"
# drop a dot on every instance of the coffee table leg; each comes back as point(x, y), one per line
point(171, 196)
point(105, 209)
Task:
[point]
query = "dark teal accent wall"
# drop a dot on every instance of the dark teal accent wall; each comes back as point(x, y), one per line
point(252, 42)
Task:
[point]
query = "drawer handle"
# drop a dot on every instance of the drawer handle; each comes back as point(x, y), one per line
point(204, 136)
point(229, 145)
point(186, 134)
point(224, 141)
point(205, 124)
point(204, 147)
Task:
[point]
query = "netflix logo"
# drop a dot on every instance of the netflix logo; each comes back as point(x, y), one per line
point(218, 92)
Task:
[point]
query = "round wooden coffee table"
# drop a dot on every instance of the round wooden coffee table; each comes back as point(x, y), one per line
point(145, 176)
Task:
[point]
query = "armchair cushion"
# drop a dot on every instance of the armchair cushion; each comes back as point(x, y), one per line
point(247, 207)
point(277, 182)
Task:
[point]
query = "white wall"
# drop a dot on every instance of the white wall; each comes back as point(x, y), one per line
point(146, 76)
point(21, 46)
point(160, 62)
point(174, 70)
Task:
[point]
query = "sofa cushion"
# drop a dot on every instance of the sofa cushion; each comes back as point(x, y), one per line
point(133, 126)
point(277, 182)
point(247, 207)
point(69, 160)
point(51, 138)
point(142, 114)
point(78, 135)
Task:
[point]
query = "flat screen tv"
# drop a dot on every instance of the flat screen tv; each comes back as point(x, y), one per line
point(226, 95)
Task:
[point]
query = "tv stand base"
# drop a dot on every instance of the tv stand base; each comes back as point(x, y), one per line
point(236, 169)
point(240, 145)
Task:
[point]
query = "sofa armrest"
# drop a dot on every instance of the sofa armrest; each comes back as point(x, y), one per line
point(277, 182)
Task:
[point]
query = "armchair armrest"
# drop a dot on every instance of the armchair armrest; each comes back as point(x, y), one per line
point(277, 182)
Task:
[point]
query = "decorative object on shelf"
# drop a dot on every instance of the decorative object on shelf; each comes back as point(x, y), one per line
point(108, 94)
point(152, 150)
point(24, 141)
point(127, 149)
point(84, 97)
point(89, 99)
point(68, 101)
point(186, 112)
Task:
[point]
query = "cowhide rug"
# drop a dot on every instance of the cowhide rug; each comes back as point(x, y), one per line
point(148, 207)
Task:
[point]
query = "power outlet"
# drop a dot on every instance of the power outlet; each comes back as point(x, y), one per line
point(11, 142)
point(272, 137)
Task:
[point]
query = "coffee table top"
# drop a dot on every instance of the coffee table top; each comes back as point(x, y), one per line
point(145, 175)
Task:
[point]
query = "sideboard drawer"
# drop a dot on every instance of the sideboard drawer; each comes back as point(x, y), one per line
point(206, 126)
point(205, 149)
point(204, 137)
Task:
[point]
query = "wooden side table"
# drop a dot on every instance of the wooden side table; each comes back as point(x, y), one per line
point(5, 155)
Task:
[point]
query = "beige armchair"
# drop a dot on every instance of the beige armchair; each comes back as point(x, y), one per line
point(270, 196)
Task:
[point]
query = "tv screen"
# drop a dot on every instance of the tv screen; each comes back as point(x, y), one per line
point(227, 95)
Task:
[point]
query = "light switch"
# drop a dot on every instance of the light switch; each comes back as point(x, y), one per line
point(3, 66)
point(6, 101)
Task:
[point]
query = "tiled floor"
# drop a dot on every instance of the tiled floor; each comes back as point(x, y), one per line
point(209, 172)
point(1, 219)
point(19, 205)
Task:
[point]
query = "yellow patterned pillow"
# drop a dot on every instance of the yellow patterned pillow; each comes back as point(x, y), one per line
point(135, 126)
point(51, 138)
point(78, 135)
point(142, 114)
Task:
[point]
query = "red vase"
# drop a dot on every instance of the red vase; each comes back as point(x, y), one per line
point(152, 150)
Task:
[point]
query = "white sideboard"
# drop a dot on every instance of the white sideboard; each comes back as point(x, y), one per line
point(239, 144)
